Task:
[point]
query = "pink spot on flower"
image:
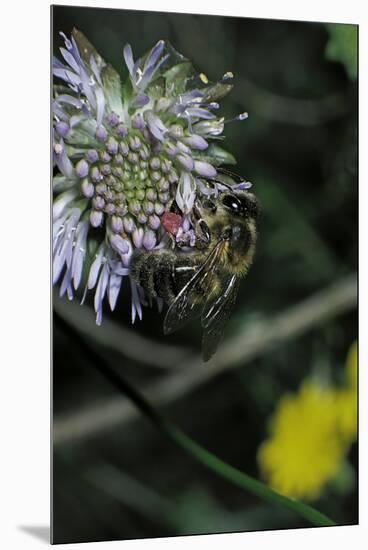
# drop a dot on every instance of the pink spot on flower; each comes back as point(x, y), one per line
point(171, 222)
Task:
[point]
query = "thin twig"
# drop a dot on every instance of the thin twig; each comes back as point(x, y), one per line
point(246, 345)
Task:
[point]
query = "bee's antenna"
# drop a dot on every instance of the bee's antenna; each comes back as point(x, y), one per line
point(223, 183)
point(228, 172)
point(214, 180)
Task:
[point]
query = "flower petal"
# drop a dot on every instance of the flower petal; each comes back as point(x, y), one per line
point(204, 169)
point(128, 58)
point(95, 268)
point(114, 289)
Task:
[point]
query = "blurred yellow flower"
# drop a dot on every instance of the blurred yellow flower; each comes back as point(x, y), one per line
point(352, 366)
point(347, 398)
point(346, 408)
point(311, 432)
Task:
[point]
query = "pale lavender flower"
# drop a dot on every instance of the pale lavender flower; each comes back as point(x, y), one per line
point(186, 193)
point(123, 159)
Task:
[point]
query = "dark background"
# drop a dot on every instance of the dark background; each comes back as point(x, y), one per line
point(124, 479)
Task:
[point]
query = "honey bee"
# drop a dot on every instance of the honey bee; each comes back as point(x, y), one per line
point(204, 282)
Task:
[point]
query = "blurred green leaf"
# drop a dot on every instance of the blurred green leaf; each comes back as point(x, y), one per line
point(345, 479)
point(199, 509)
point(86, 49)
point(343, 46)
point(217, 155)
point(176, 78)
point(112, 86)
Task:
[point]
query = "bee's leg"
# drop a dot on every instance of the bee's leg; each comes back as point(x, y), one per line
point(163, 273)
point(153, 271)
point(203, 234)
point(162, 276)
point(164, 283)
point(202, 231)
point(142, 269)
point(172, 272)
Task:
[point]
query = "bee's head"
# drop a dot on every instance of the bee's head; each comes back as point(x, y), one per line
point(240, 203)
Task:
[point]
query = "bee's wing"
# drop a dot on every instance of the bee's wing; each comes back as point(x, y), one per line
point(190, 301)
point(216, 314)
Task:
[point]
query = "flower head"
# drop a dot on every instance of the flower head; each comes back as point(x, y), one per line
point(311, 432)
point(123, 153)
point(347, 398)
point(303, 452)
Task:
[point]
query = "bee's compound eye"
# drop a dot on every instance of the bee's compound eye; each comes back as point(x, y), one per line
point(232, 202)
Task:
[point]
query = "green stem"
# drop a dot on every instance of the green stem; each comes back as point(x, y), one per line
point(197, 452)
point(244, 481)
